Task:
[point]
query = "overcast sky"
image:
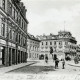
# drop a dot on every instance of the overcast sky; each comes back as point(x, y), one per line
point(48, 16)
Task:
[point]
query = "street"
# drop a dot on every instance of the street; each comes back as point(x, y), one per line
point(47, 68)
point(43, 71)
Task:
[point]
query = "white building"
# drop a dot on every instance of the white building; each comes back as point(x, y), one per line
point(33, 47)
point(63, 44)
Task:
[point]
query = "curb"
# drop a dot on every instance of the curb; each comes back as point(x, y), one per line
point(73, 65)
point(21, 67)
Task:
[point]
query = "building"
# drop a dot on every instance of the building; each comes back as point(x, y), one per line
point(63, 44)
point(13, 32)
point(33, 47)
point(78, 50)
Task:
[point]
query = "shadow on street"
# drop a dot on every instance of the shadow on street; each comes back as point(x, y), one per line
point(33, 69)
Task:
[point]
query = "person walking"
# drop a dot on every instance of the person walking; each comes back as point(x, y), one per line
point(63, 64)
point(56, 63)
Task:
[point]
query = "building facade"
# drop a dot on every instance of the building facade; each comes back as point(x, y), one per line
point(63, 44)
point(13, 32)
point(78, 50)
point(33, 47)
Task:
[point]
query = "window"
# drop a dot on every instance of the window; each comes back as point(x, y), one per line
point(60, 42)
point(37, 55)
point(19, 38)
point(19, 19)
point(50, 43)
point(13, 13)
point(42, 43)
point(54, 42)
point(33, 47)
point(29, 55)
point(3, 4)
point(16, 15)
point(3, 29)
point(66, 43)
point(46, 43)
point(22, 24)
point(10, 8)
point(16, 37)
point(13, 35)
point(24, 41)
point(46, 47)
point(10, 34)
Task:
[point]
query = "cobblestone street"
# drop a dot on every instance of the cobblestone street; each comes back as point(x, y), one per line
point(43, 71)
point(47, 68)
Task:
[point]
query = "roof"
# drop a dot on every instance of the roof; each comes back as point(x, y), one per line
point(29, 36)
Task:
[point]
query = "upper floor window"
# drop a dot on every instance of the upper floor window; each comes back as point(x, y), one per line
point(3, 4)
point(24, 41)
point(46, 43)
point(13, 13)
point(42, 43)
point(19, 38)
point(10, 9)
point(46, 47)
point(19, 20)
point(17, 16)
point(22, 24)
point(3, 29)
point(50, 43)
point(54, 42)
point(13, 35)
point(60, 42)
point(66, 43)
point(10, 34)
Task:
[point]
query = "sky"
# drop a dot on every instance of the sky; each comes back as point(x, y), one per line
point(51, 16)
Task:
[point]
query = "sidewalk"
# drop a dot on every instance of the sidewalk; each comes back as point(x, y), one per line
point(71, 63)
point(10, 68)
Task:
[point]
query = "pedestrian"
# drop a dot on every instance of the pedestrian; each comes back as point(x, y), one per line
point(63, 63)
point(56, 63)
point(46, 58)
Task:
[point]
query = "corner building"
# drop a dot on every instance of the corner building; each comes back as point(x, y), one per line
point(13, 32)
point(33, 47)
point(63, 44)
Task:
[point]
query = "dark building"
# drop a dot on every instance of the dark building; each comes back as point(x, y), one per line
point(13, 32)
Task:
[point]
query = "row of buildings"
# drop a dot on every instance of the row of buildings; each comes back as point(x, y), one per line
point(63, 44)
point(16, 45)
point(13, 32)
